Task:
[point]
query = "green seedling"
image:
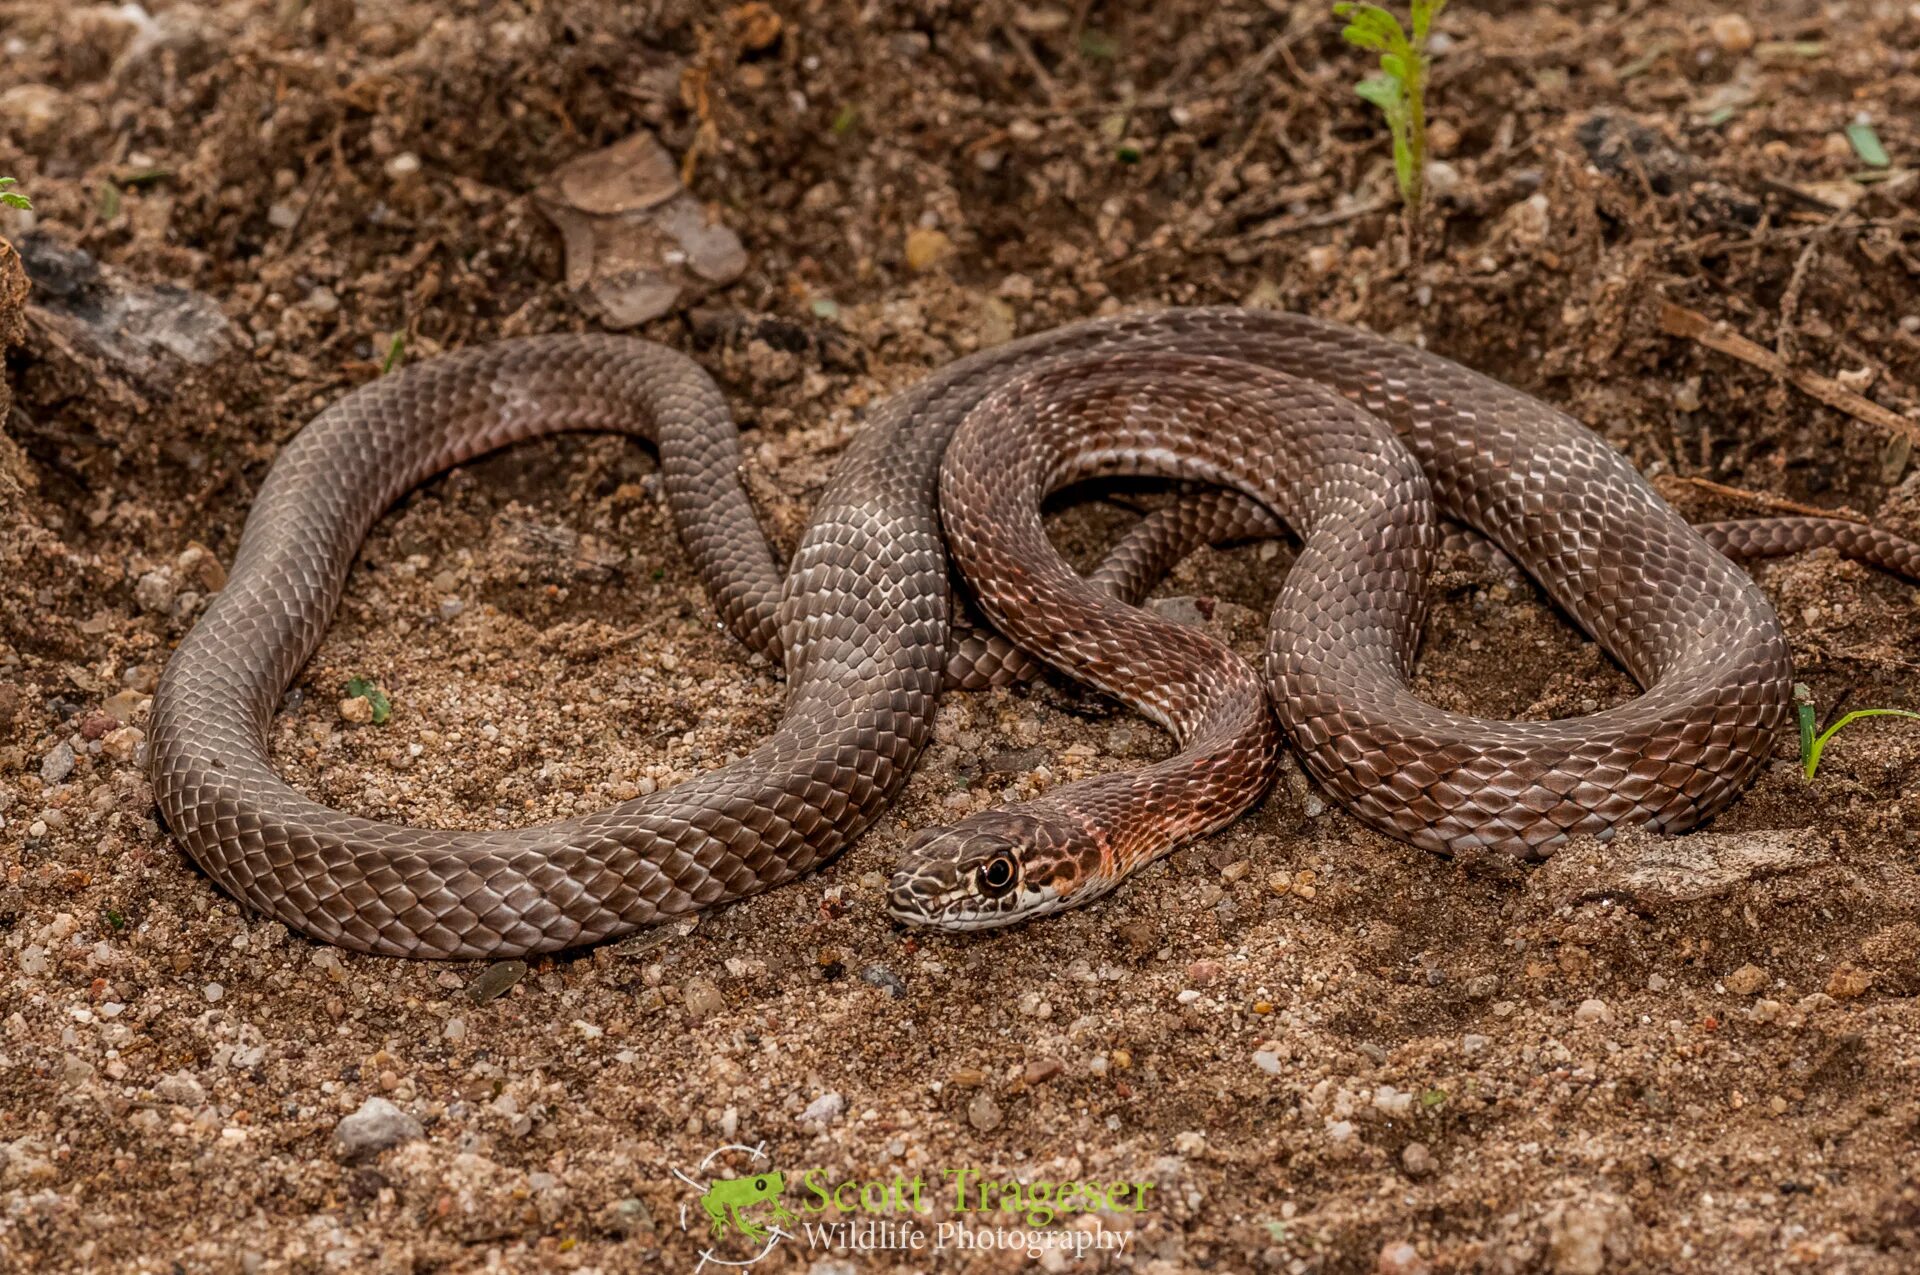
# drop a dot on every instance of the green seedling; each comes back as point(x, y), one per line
point(382, 706)
point(13, 198)
point(1400, 90)
point(1812, 744)
point(396, 353)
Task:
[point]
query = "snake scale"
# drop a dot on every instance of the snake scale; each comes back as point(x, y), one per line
point(860, 619)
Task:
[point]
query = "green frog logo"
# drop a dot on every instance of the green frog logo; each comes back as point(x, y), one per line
point(740, 1219)
point(725, 1203)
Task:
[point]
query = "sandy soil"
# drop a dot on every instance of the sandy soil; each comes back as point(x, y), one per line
point(1327, 1051)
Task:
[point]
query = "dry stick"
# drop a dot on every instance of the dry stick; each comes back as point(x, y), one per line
point(1759, 499)
point(1679, 321)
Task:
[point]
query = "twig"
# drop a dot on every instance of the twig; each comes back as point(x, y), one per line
point(1316, 221)
point(1783, 340)
point(1759, 499)
point(1048, 87)
point(1679, 321)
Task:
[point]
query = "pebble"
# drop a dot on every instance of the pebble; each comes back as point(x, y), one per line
point(825, 1109)
point(123, 744)
point(1267, 1060)
point(456, 1029)
point(983, 1113)
point(181, 1089)
point(703, 1000)
point(1471, 1044)
point(1483, 987)
point(627, 1217)
point(1416, 1159)
point(1657, 983)
point(213, 992)
point(122, 705)
point(1732, 32)
point(1746, 980)
point(57, 764)
point(377, 1125)
point(881, 976)
point(155, 591)
point(1400, 1258)
point(1848, 981)
point(1204, 973)
point(1593, 1011)
point(926, 247)
point(1041, 1070)
point(357, 709)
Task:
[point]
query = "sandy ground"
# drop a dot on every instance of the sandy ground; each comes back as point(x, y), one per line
point(1324, 1050)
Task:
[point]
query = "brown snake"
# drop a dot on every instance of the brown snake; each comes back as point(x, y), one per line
point(861, 621)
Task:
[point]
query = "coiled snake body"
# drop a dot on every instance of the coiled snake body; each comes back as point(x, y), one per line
point(860, 620)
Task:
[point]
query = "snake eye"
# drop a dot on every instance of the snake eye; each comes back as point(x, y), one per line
point(997, 874)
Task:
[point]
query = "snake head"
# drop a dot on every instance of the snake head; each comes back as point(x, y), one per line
point(990, 869)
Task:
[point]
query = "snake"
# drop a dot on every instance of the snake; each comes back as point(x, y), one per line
point(859, 619)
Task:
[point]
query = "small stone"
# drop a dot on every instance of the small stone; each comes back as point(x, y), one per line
point(1416, 1159)
point(1267, 1060)
point(96, 725)
point(1483, 987)
point(1848, 981)
point(57, 764)
point(703, 1000)
point(882, 977)
point(825, 1109)
point(983, 1113)
point(1746, 980)
point(198, 564)
point(122, 705)
point(376, 1126)
point(214, 992)
point(1400, 1258)
point(155, 591)
point(1766, 1011)
point(627, 1217)
point(456, 1029)
point(1582, 1237)
point(1732, 32)
point(1472, 1044)
point(1041, 1070)
point(1204, 973)
point(403, 165)
point(927, 248)
point(357, 709)
point(1593, 1011)
point(123, 744)
point(181, 1089)
point(1657, 983)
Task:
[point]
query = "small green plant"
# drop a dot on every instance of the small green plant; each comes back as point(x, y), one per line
point(1812, 744)
point(396, 353)
point(1400, 90)
point(13, 198)
point(382, 706)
